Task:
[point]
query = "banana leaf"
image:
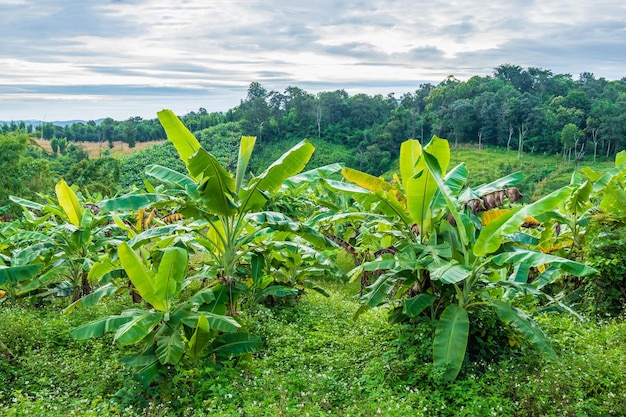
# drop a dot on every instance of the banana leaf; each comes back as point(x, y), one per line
point(450, 342)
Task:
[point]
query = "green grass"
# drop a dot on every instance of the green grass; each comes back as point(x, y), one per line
point(542, 173)
point(316, 361)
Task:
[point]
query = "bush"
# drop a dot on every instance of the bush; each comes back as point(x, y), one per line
point(606, 252)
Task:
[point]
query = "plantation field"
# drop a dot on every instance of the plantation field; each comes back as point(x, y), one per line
point(465, 283)
point(315, 361)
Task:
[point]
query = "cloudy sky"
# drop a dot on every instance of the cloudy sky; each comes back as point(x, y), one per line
point(88, 59)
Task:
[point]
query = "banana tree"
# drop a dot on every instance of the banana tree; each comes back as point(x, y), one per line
point(171, 331)
point(66, 237)
point(223, 210)
point(446, 263)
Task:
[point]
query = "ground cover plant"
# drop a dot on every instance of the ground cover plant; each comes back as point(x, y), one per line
point(316, 360)
point(239, 303)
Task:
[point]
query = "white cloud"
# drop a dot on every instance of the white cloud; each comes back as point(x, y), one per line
point(55, 52)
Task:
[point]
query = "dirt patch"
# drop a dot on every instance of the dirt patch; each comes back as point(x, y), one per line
point(96, 150)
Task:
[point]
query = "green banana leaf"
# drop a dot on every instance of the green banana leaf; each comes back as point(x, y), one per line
point(99, 327)
point(289, 164)
point(313, 174)
point(450, 342)
point(93, 298)
point(216, 185)
point(216, 321)
point(435, 171)
point(173, 178)
point(419, 185)
point(172, 271)
point(138, 327)
point(142, 278)
point(15, 274)
point(183, 140)
point(533, 259)
point(413, 306)
point(236, 344)
point(200, 339)
point(132, 201)
point(526, 326)
point(245, 151)
point(170, 347)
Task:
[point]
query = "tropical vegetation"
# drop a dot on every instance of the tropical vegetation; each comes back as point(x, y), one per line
point(214, 282)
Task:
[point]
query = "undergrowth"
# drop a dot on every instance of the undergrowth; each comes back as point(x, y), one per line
point(316, 361)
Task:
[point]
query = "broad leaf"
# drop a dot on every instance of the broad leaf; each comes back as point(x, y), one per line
point(170, 348)
point(132, 201)
point(142, 278)
point(450, 341)
point(245, 151)
point(237, 344)
point(532, 258)
point(93, 298)
point(15, 274)
point(419, 185)
point(138, 327)
point(378, 291)
point(269, 181)
point(365, 180)
point(99, 327)
point(415, 305)
point(200, 339)
point(217, 185)
point(314, 174)
point(491, 236)
point(69, 202)
point(185, 143)
point(216, 321)
point(174, 178)
point(171, 273)
point(525, 325)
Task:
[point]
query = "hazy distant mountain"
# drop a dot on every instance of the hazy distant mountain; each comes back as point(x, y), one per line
point(61, 123)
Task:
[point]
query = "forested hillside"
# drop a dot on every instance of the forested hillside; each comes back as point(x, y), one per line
point(529, 110)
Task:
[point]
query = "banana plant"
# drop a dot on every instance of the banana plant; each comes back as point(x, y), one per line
point(223, 210)
point(446, 264)
point(64, 236)
point(171, 330)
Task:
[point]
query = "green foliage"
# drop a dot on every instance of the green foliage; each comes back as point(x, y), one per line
point(22, 173)
point(317, 361)
point(442, 261)
point(605, 294)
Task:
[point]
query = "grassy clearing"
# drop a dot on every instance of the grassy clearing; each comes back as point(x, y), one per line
point(543, 173)
point(316, 361)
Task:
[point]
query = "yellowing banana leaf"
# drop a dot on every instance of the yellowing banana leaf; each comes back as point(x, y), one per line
point(367, 181)
point(491, 236)
point(69, 202)
point(142, 278)
point(419, 184)
point(490, 215)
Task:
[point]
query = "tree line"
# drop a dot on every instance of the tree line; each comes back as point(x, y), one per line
point(528, 110)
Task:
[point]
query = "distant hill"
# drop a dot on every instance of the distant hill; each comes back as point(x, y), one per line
point(61, 123)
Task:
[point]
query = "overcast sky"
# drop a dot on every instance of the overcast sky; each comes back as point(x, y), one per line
point(88, 59)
